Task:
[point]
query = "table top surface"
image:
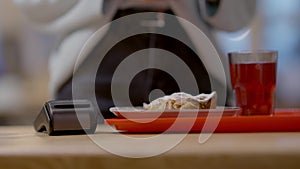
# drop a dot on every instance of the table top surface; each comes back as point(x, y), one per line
point(23, 141)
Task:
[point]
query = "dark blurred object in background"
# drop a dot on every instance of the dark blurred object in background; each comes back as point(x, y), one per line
point(24, 56)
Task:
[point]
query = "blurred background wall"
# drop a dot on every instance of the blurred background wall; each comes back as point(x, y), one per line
point(24, 53)
point(276, 26)
point(23, 67)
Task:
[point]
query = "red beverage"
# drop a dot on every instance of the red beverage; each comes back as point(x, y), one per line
point(254, 85)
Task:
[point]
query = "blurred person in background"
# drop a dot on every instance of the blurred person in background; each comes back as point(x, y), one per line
point(75, 21)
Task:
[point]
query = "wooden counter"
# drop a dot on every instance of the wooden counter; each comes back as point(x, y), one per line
point(22, 147)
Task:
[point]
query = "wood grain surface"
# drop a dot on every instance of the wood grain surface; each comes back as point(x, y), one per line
point(22, 147)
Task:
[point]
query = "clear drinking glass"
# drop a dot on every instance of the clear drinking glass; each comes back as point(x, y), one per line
point(253, 78)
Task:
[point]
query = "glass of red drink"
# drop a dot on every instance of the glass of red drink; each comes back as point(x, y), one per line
point(253, 78)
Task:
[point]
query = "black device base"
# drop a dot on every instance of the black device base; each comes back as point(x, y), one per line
point(65, 117)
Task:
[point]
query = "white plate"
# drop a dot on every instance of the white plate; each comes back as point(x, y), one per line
point(139, 112)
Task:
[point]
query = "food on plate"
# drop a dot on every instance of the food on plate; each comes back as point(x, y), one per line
point(183, 100)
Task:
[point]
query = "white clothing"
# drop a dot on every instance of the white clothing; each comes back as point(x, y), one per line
point(76, 20)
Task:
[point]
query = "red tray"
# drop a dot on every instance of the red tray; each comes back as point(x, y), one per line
point(284, 120)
